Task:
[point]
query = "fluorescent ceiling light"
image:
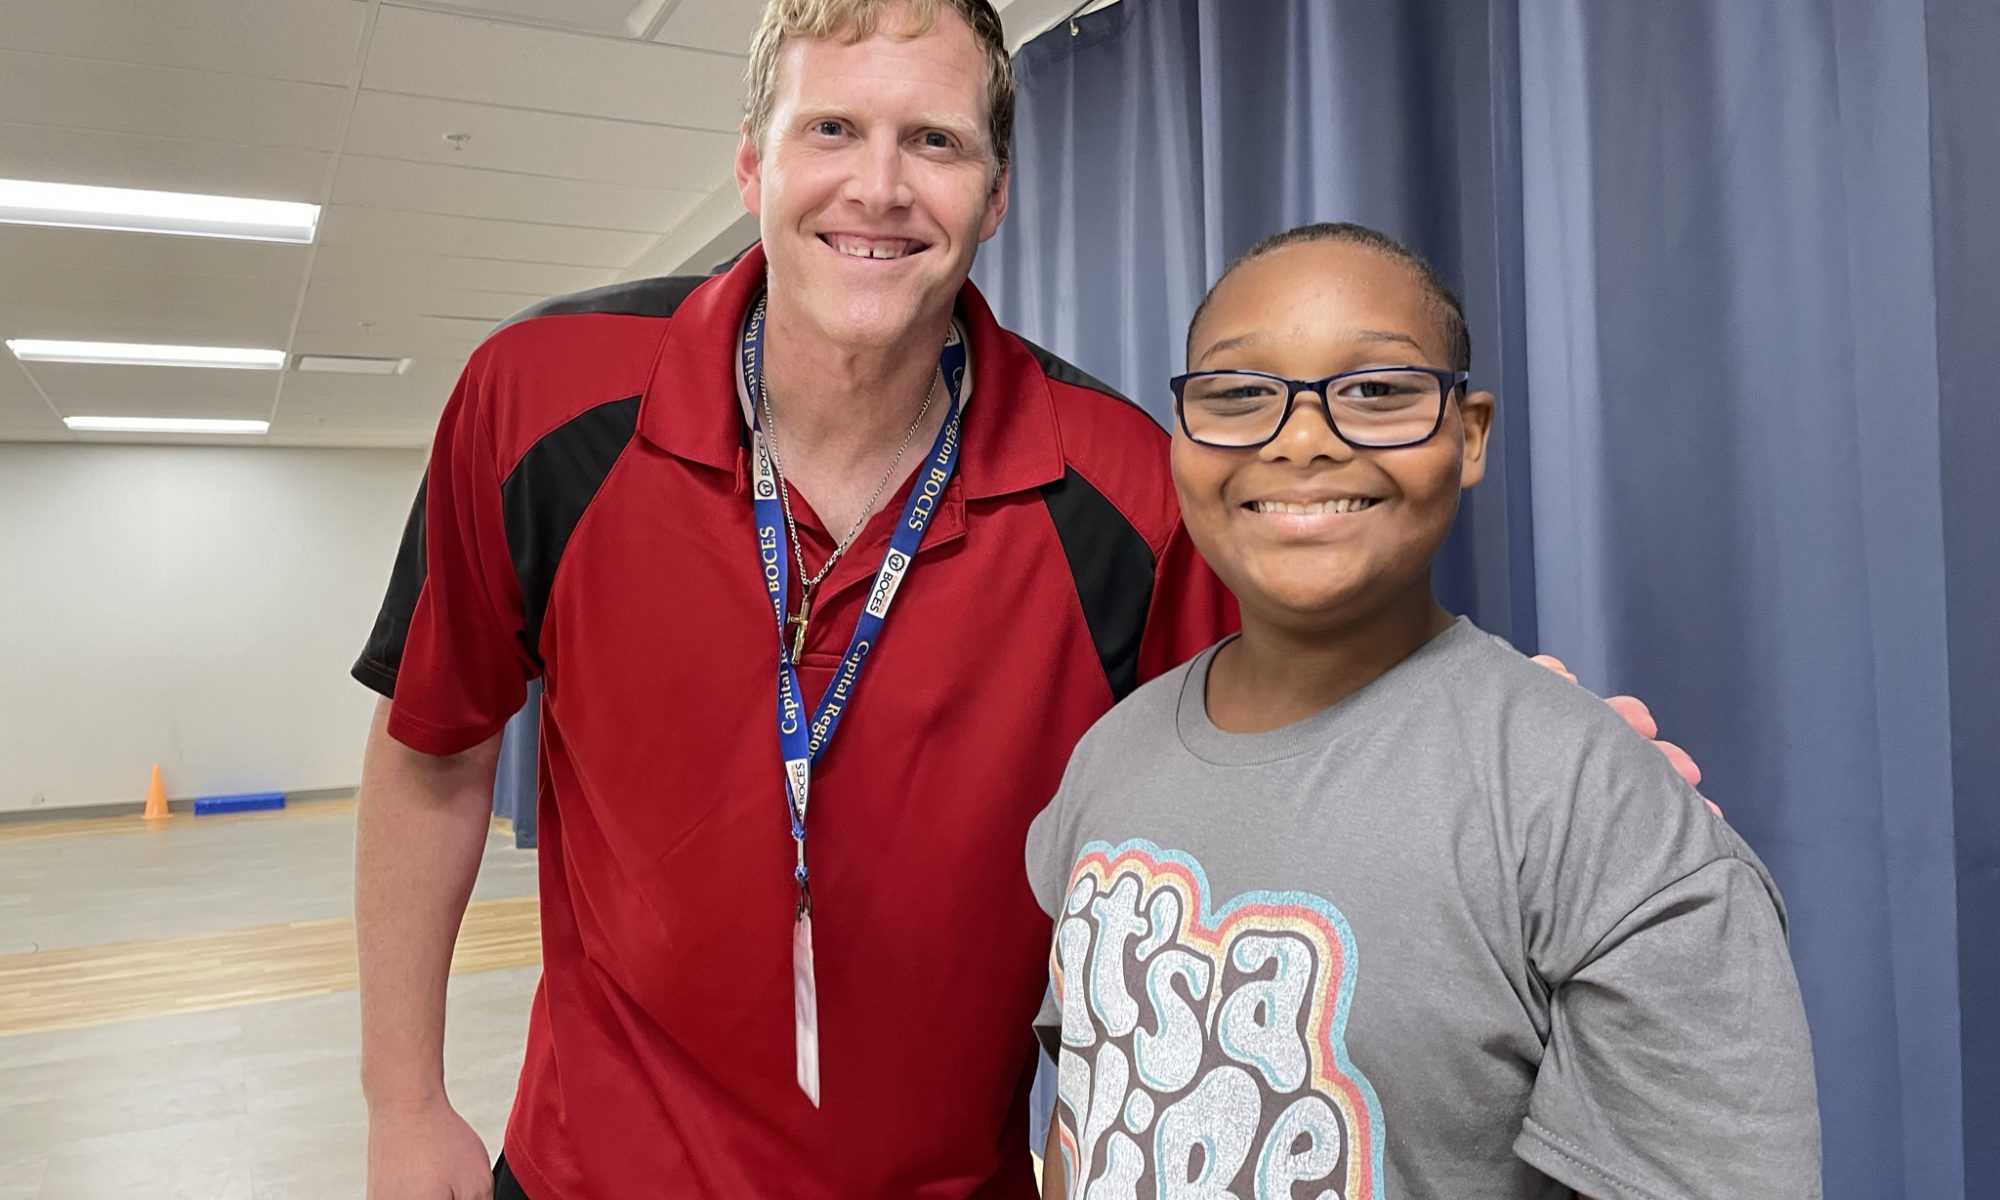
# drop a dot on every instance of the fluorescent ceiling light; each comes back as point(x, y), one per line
point(163, 425)
point(76, 206)
point(128, 355)
point(347, 364)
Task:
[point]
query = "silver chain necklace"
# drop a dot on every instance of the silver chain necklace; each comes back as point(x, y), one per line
point(809, 582)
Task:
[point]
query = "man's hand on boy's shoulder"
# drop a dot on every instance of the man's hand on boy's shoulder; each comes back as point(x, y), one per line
point(1639, 717)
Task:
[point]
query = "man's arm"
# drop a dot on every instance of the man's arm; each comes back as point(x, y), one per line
point(422, 826)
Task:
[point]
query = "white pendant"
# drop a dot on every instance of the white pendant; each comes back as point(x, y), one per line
point(805, 1007)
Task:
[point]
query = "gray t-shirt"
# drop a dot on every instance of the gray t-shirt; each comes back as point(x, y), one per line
point(1463, 935)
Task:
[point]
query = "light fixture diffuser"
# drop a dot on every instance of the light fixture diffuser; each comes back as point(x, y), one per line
point(164, 425)
point(351, 364)
point(131, 210)
point(126, 354)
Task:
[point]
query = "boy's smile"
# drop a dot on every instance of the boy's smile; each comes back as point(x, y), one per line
point(1310, 532)
point(1310, 510)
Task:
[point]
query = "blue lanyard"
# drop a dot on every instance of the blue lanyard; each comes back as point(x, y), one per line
point(801, 742)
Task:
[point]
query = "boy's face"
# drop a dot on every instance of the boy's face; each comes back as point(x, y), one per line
point(1306, 311)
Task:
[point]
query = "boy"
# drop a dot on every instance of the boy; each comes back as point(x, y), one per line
point(1361, 903)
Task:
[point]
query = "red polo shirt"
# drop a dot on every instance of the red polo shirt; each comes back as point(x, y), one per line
point(586, 518)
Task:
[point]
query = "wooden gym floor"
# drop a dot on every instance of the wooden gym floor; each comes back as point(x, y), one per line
point(177, 1013)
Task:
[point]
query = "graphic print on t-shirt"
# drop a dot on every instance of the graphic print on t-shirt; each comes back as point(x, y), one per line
point(1203, 1051)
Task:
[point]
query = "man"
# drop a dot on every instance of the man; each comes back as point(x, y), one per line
point(659, 499)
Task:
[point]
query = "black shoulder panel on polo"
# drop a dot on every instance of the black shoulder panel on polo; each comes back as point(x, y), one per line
point(547, 493)
point(542, 500)
point(1064, 371)
point(657, 297)
point(1113, 570)
point(382, 657)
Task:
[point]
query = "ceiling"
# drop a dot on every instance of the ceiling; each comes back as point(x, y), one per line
point(598, 142)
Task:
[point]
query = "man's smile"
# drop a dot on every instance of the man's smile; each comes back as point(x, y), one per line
point(865, 246)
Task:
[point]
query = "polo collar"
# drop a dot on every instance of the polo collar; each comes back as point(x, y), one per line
point(690, 406)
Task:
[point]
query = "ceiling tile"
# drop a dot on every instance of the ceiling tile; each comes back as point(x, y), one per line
point(609, 17)
point(390, 332)
point(75, 94)
point(71, 384)
point(475, 238)
point(360, 302)
point(401, 316)
point(347, 439)
point(443, 357)
point(128, 320)
point(312, 41)
point(225, 296)
point(463, 58)
point(496, 195)
point(202, 310)
point(31, 423)
point(227, 408)
point(423, 391)
point(401, 268)
point(328, 406)
point(588, 146)
point(15, 387)
point(29, 248)
point(351, 426)
point(333, 432)
point(721, 25)
point(161, 164)
point(512, 139)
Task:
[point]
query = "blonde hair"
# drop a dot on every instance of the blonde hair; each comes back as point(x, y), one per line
point(851, 21)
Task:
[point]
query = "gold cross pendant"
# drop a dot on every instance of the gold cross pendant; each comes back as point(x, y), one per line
point(798, 624)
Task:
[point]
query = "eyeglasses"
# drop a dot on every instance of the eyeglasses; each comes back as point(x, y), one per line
point(1377, 409)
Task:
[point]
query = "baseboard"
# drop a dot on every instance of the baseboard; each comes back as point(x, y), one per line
point(15, 816)
point(312, 794)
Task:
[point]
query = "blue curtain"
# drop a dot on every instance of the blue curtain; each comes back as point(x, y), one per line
point(1729, 267)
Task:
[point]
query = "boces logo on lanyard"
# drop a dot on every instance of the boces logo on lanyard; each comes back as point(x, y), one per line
point(802, 741)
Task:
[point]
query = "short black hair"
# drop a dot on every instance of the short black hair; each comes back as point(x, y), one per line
point(1444, 305)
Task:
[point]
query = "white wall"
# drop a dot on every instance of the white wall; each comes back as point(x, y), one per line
point(196, 607)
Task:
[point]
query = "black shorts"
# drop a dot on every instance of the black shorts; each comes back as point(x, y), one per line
point(505, 1186)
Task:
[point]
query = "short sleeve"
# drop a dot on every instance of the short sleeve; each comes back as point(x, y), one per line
point(1190, 610)
point(1050, 855)
point(448, 646)
point(1047, 858)
point(1678, 1062)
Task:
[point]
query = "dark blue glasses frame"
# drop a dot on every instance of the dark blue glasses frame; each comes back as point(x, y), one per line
point(1447, 381)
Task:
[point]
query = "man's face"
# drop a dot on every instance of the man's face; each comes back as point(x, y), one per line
point(1309, 532)
point(875, 183)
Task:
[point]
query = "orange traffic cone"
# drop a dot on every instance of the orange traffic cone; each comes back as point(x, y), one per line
point(156, 797)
